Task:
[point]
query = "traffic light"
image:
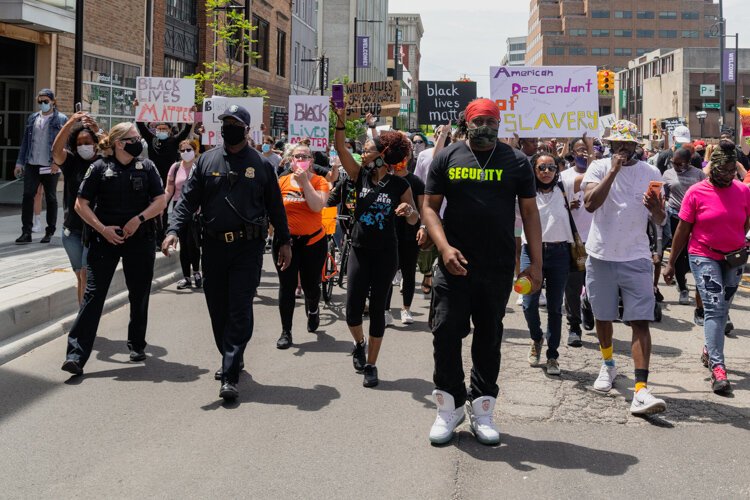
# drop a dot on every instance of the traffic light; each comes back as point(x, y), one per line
point(654, 128)
point(605, 80)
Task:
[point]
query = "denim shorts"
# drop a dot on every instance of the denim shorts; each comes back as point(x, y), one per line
point(633, 280)
point(73, 243)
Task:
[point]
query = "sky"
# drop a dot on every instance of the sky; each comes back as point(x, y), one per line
point(470, 40)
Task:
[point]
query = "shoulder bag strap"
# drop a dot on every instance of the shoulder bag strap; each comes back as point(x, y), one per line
point(364, 203)
point(573, 227)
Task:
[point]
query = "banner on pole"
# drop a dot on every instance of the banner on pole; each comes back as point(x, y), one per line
point(728, 62)
point(215, 106)
point(363, 51)
point(440, 102)
point(378, 98)
point(168, 100)
point(546, 101)
point(308, 118)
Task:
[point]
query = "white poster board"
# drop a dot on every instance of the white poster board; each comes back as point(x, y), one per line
point(215, 106)
point(546, 101)
point(605, 122)
point(168, 100)
point(308, 118)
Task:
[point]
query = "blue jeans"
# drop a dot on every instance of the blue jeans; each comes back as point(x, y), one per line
point(717, 284)
point(555, 269)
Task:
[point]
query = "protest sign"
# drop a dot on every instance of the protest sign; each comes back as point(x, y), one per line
point(744, 121)
point(308, 117)
point(378, 98)
point(605, 122)
point(546, 101)
point(440, 102)
point(168, 100)
point(215, 106)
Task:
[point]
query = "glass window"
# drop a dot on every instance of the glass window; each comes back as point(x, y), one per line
point(690, 34)
point(691, 15)
point(600, 33)
point(109, 90)
point(280, 53)
point(555, 51)
point(623, 14)
point(177, 68)
point(645, 14)
point(577, 51)
point(624, 33)
point(600, 51)
point(577, 32)
point(620, 51)
point(667, 33)
point(644, 33)
point(667, 14)
point(600, 14)
point(640, 52)
point(182, 10)
point(260, 45)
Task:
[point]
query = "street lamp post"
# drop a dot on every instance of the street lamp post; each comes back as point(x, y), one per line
point(356, 23)
point(701, 115)
point(78, 56)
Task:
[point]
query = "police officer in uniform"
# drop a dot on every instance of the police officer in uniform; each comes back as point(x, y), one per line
point(237, 192)
point(117, 199)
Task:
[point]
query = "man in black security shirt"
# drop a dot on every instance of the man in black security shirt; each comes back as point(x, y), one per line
point(480, 178)
point(235, 189)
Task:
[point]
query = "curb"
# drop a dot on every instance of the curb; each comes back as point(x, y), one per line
point(24, 342)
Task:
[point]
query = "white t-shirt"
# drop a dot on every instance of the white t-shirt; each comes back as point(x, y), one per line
point(554, 217)
point(422, 168)
point(581, 216)
point(618, 231)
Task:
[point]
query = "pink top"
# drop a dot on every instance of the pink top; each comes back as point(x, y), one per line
point(718, 216)
point(179, 175)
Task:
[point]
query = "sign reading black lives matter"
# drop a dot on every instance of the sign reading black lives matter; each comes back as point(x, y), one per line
point(440, 102)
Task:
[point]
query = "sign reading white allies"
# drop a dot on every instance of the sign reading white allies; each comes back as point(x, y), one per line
point(308, 118)
point(215, 106)
point(546, 101)
point(441, 102)
point(168, 100)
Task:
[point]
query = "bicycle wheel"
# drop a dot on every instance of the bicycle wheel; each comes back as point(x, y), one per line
point(344, 261)
point(328, 273)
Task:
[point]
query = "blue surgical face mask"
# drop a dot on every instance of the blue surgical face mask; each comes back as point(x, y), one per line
point(162, 135)
point(45, 107)
point(266, 148)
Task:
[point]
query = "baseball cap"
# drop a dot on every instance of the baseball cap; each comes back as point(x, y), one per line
point(238, 113)
point(681, 134)
point(47, 93)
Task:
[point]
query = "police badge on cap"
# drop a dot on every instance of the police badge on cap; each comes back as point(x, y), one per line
point(238, 113)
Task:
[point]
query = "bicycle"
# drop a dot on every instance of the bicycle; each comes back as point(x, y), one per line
point(346, 246)
point(330, 269)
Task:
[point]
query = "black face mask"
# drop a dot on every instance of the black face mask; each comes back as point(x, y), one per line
point(483, 136)
point(133, 149)
point(232, 134)
point(546, 185)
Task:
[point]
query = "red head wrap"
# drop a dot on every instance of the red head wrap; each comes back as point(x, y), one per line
point(481, 107)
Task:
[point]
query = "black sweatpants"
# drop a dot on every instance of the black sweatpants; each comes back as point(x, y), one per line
point(31, 181)
point(138, 257)
point(307, 263)
point(408, 251)
point(573, 289)
point(232, 274)
point(457, 301)
point(369, 272)
point(682, 264)
point(190, 251)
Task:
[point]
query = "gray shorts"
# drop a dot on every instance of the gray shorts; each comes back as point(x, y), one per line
point(633, 280)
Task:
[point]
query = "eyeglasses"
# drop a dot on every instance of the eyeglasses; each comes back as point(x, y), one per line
point(547, 166)
point(418, 142)
point(301, 157)
point(185, 150)
point(43, 101)
point(130, 140)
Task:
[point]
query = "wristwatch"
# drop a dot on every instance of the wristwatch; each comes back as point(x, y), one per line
point(141, 218)
point(423, 227)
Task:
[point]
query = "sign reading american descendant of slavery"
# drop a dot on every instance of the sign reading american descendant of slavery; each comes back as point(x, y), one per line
point(308, 118)
point(378, 98)
point(546, 101)
point(165, 100)
point(440, 102)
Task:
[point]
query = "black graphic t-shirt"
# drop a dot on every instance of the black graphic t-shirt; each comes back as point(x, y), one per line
point(480, 214)
point(375, 228)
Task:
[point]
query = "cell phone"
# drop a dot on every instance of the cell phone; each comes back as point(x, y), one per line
point(79, 107)
point(654, 187)
point(337, 94)
point(119, 232)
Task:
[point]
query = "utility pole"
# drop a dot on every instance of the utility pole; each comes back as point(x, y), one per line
point(78, 56)
point(722, 97)
point(246, 67)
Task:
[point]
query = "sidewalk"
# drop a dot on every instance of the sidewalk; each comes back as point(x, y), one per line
point(38, 288)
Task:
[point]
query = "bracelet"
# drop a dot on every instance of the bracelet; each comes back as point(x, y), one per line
point(340, 128)
point(423, 227)
point(372, 126)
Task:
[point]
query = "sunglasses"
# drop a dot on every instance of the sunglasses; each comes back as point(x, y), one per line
point(44, 101)
point(185, 150)
point(131, 140)
point(301, 157)
point(546, 167)
point(418, 142)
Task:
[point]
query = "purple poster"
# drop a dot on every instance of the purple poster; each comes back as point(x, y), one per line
point(729, 62)
point(363, 51)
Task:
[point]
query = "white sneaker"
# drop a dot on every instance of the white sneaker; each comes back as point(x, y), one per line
point(397, 279)
point(388, 318)
point(644, 403)
point(480, 419)
point(553, 367)
point(519, 300)
point(406, 317)
point(448, 417)
point(542, 299)
point(684, 297)
point(37, 227)
point(606, 378)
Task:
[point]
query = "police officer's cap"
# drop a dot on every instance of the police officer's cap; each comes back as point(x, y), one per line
point(238, 113)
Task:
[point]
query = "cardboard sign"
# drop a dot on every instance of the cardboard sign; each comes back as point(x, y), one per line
point(440, 102)
point(546, 101)
point(165, 100)
point(605, 122)
point(744, 121)
point(378, 98)
point(308, 118)
point(215, 106)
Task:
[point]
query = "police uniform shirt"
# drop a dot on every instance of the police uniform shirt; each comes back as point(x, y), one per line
point(120, 192)
point(246, 179)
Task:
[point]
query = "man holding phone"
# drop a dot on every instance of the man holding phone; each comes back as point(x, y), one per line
point(620, 194)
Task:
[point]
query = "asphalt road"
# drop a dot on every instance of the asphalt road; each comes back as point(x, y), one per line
point(304, 426)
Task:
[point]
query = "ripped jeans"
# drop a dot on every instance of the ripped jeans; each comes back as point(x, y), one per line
point(717, 284)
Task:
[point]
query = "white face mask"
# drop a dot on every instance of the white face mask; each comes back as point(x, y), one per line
point(86, 151)
point(187, 155)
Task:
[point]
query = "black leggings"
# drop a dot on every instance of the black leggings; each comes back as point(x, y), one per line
point(190, 251)
point(369, 272)
point(408, 252)
point(682, 265)
point(307, 263)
